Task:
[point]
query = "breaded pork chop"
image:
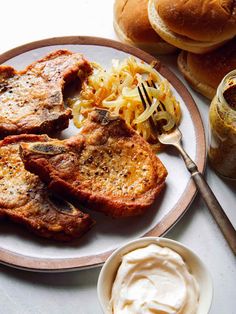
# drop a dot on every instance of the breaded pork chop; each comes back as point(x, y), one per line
point(31, 101)
point(24, 198)
point(108, 166)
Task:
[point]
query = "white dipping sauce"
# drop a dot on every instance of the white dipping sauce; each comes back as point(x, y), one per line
point(152, 280)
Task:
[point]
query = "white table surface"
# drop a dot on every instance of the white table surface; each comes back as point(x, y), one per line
point(24, 292)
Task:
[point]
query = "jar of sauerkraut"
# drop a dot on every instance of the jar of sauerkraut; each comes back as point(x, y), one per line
point(222, 128)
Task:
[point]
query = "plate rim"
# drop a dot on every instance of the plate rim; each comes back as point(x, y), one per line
point(30, 263)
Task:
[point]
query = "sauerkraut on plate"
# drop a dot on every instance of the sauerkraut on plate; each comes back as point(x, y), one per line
point(116, 89)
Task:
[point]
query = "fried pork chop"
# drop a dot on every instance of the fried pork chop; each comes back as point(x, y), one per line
point(108, 166)
point(24, 198)
point(31, 101)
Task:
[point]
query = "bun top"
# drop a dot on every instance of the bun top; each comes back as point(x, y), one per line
point(132, 18)
point(201, 20)
point(210, 68)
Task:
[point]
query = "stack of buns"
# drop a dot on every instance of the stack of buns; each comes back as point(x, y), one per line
point(204, 29)
point(205, 72)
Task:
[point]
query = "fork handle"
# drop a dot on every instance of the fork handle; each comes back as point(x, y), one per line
point(211, 201)
point(216, 210)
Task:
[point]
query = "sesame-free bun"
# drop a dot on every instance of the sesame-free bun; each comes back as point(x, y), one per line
point(133, 27)
point(205, 72)
point(197, 26)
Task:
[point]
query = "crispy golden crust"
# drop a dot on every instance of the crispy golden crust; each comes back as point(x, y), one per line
point(26, 200)
point(31, 101)
point(108, 166)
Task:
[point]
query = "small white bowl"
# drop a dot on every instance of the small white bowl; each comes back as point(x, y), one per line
point(196, 267)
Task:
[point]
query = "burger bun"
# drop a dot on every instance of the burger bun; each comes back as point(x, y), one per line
point(132, 26)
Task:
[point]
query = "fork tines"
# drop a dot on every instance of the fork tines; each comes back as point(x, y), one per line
point(144, 98)
point(141, 96)
point(147, 98)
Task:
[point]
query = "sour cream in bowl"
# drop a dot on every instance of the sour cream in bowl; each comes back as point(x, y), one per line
point(154, 275)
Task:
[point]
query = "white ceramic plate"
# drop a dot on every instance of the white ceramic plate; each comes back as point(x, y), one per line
point(19, 248)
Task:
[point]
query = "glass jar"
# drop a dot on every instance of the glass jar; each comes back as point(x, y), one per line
point(222, 128)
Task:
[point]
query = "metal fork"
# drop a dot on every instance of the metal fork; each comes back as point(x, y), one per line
point(173, 138)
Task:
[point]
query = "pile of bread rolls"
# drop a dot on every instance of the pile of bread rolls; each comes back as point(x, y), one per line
point(204, 30)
